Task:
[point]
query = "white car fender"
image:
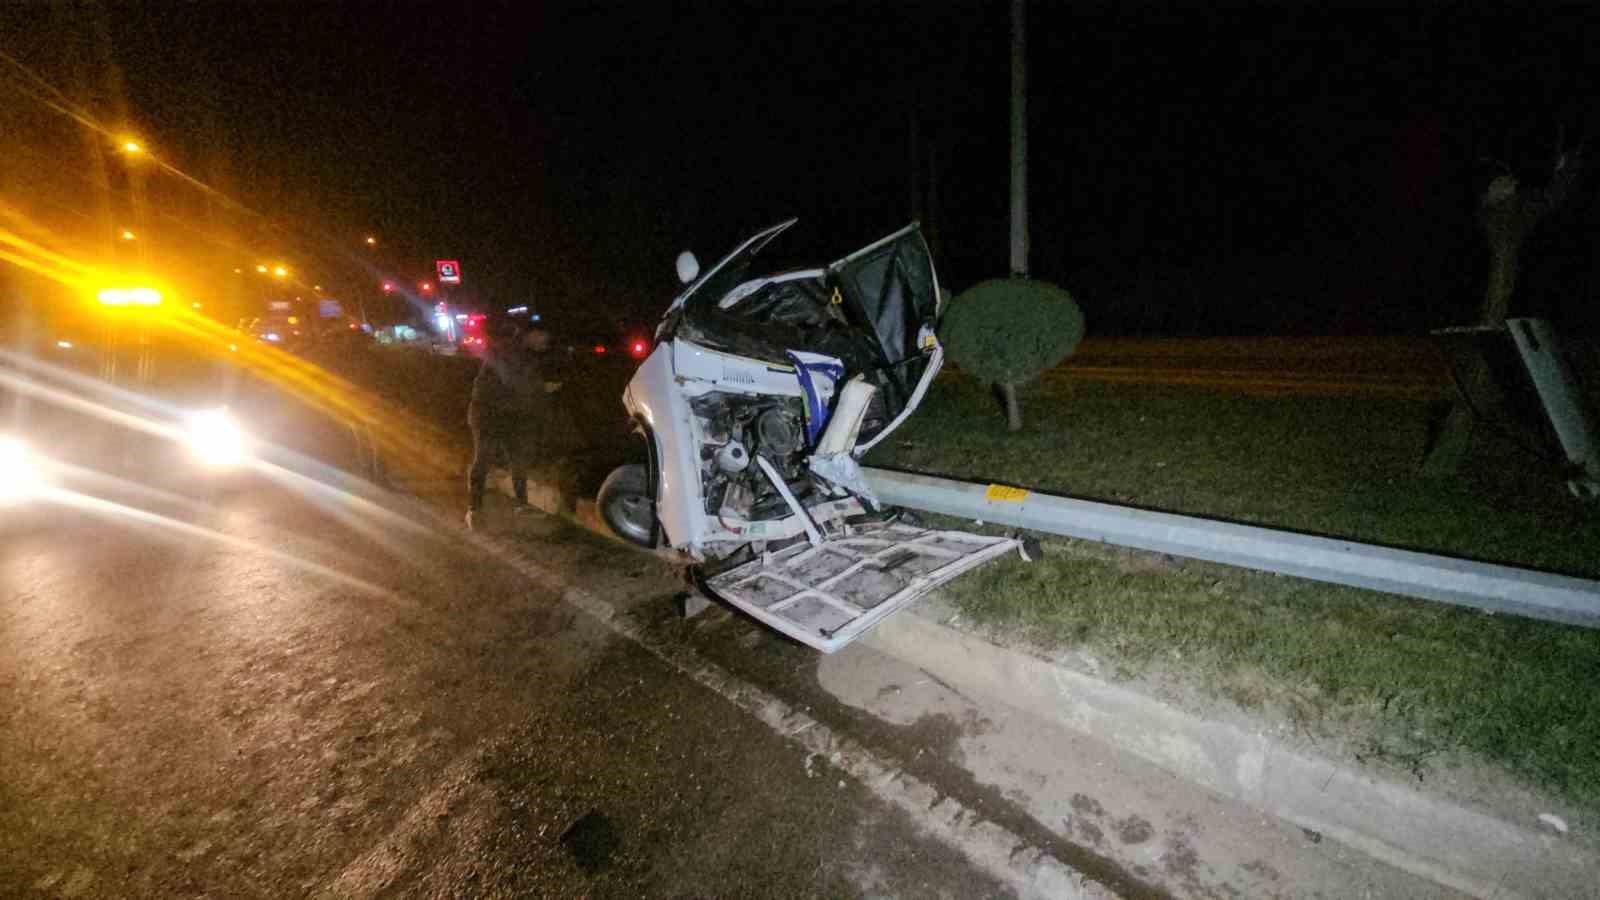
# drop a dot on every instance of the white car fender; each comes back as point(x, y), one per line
point(654, 397)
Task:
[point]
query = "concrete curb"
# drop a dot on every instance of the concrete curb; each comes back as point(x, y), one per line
point(1447, 843)
point(1464, 849)
point(1028, 870)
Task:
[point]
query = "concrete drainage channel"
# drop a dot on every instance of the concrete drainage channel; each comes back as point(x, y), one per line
point(1446, 843)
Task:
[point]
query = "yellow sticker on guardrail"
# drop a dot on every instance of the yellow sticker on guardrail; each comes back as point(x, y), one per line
point(1004, 493)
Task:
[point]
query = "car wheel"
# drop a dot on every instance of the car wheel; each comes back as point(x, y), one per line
point(626, 506)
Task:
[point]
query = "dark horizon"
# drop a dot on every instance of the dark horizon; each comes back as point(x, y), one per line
point(1235, 169)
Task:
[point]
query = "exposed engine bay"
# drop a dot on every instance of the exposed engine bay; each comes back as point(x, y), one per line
point(759, 400)
point(763, 391)
point(734, 429)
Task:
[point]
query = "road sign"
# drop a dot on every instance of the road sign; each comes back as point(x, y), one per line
point(449, 271)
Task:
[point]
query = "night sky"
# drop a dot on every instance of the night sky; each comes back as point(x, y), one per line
point(1196, 168)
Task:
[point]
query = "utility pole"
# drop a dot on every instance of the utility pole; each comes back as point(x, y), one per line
point(1019, 138)
point(913, 133)
point(1019, 176)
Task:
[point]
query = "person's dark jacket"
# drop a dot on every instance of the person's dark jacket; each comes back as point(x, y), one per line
point(509, 391)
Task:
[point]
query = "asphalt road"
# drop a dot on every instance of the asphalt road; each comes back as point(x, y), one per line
point(1374, 366)
point(252, 692)
point(259, 687)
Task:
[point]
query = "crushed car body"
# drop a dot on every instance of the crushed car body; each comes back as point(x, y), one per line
point(758, 399)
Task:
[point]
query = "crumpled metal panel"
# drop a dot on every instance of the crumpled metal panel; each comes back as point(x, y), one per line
point(828, 595)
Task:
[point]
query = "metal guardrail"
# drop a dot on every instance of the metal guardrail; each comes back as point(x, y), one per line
point(1485, 586)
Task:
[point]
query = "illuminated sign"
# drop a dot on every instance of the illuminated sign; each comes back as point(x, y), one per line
point(449, 271)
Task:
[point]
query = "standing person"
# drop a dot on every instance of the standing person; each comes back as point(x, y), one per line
point(510, 407)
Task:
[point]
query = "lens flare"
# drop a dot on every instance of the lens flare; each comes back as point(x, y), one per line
point(140, 296)
point(216, 439)
point(19, 472)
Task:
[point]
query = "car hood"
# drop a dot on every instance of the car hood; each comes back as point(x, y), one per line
point(730, 270)
point(886, 294)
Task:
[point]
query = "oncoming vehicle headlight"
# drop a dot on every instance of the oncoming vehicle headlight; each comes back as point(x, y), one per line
point(216, 439)
point(20, 475)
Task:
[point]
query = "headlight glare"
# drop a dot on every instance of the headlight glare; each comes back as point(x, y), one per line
point(20, 475)
point(216, 439)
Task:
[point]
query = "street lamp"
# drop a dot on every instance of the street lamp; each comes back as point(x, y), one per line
point(372, 241)
point(262, 269)
point(132, 147)
point(127, 235)
point(388, 286)
point(425, 286)
point(280, 271)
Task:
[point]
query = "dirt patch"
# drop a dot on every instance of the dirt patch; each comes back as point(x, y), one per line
point(1134, 830)
point(1087, 805)
point(1085, 829)
point(1181, 861)
point(1261, 869)
point(938, 736)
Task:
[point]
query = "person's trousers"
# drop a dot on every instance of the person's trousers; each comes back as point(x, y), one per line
point(489, 445)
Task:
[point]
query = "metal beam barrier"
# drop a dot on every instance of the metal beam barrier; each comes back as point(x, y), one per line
point(1485, 586)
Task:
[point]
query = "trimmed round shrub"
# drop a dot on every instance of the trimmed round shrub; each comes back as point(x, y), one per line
point(1008, 330)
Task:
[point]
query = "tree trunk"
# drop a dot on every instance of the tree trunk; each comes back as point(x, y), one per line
point(1505, 224)
point(1013, 411)
point(1502, 279)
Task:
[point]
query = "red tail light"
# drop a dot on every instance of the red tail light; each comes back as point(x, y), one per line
point(638, 348)
point(599, 348)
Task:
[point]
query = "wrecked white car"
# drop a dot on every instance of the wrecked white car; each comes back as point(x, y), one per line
point(760, 395)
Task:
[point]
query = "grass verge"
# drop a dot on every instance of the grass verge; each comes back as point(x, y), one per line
point(1408, 682)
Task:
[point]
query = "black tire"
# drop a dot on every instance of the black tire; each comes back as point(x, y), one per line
point(626, 506)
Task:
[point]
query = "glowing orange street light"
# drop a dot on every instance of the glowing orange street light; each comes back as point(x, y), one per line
point(127, 235)
point(132, 147)
point(372, 241)
point(261, 269)
point(316, 287)
point(425, 286)
point(280, 271)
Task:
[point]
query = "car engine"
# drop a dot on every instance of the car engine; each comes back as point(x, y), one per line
point(735, 429)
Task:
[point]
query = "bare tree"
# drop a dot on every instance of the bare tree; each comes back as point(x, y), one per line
point(1508, 212)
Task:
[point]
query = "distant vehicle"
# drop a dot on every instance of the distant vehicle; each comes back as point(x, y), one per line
point(624, 342)
point(474, 339)
point(281, 329)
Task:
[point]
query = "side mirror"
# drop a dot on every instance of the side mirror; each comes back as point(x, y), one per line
point(688, 267)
